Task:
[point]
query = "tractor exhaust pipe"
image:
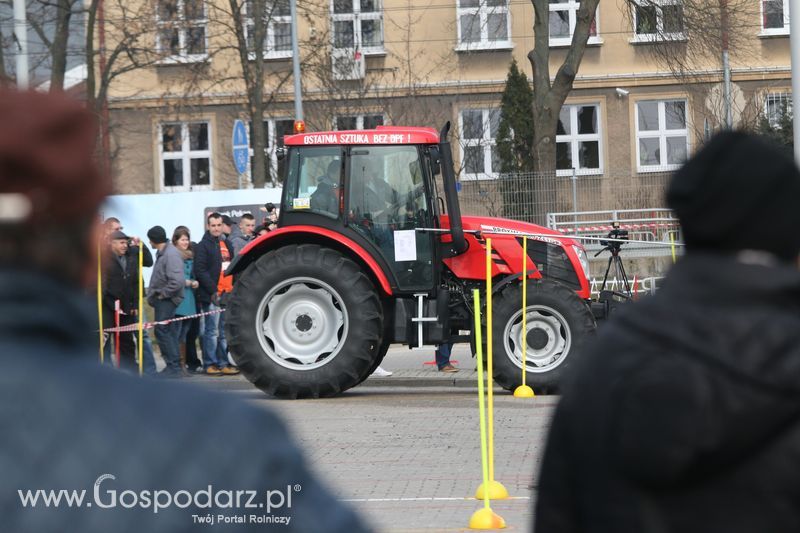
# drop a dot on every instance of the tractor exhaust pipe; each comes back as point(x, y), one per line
point(459, 244)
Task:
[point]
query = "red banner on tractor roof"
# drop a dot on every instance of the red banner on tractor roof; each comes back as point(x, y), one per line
point(380, 135)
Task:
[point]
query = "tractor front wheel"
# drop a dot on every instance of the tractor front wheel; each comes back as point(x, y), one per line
point(304, 321)
point(557, 320)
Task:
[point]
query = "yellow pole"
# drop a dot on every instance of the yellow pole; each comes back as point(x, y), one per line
point(496, 489)
point(672, 243)
point(523, 391)
point(524, 305)
point(489, 371)
point(481, 403)
point(141, 310)
point(100, 295)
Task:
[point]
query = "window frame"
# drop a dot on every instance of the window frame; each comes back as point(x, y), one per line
point(659, 35)
point(359, 120)
point(270, 151)
point(183, 26)
point(768, 32)
point(778, 97)
point(486, 142)
point(186, 154)
point(483, 11)
point(575, 138)
point(269, 51)
point(661, 134)
point(572, 7)
point(357, 16)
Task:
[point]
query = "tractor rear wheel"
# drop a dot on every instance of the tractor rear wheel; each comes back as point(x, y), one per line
point(558, 322)
point(304, 321)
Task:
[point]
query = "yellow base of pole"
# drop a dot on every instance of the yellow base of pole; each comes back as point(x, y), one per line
point(523, 391)
point(496, 491)
point(485, 518)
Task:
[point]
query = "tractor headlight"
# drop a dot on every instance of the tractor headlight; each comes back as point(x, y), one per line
point(583, 259)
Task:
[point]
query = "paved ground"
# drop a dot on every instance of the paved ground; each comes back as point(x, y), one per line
point(405, 450)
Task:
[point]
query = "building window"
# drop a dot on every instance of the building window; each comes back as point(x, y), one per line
point(578, 140)
point(776, 105)
point(662, 137)
point(775, 17)
point(358, 24)
point(563, 17)
point(479, 156)
point(658, 20)
point(358, 122)
point(278, 22)
point(483, 24)
point(274, 131)
point(185, 156)
point(181, 30)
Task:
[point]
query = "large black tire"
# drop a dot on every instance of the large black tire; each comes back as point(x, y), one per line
point(558, 323)
point(333, 302)
point(384, 347)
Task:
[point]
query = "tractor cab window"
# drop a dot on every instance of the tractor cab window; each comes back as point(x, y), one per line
point(387, 195)
point(314, 181)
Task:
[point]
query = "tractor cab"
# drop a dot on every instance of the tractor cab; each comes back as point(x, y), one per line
point(375, 187)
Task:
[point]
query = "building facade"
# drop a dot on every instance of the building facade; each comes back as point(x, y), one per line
point(415, 62)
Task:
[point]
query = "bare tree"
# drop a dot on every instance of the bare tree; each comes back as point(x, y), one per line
point(549, 96)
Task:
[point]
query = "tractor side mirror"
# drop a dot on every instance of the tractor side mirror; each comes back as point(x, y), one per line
point(436, 160)
point(280, 152)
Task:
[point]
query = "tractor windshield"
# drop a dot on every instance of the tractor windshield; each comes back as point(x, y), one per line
point(386, 201)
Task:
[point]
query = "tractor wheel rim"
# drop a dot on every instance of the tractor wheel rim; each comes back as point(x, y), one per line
point(302, 323)
point(549, 331)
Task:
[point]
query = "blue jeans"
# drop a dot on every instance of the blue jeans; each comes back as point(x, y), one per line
point(183, 330)
point(167, 335)
point(443, 355)
point(214, 346)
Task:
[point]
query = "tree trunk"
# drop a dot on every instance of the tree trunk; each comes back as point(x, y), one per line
point(4, 78)
point(58, 48)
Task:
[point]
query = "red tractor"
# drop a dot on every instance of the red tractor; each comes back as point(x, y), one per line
point(366, 255)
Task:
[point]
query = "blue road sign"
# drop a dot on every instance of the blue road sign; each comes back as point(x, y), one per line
point(241, 147)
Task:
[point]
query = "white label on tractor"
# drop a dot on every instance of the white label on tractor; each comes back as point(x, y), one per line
point(405, 245)
point(301, 203)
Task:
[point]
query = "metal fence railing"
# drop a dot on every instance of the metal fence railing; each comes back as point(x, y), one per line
point(584, 206)
point(531, 196)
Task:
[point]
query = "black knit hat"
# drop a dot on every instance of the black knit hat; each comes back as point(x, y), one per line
point(157, 235)
point(739, 192)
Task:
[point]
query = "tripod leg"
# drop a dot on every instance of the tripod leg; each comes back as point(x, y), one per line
point(623, 276)
point(605, 277)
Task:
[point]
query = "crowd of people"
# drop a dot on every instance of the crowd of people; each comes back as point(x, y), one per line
point(188, 290)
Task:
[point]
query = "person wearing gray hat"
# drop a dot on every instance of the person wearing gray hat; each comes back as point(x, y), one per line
point(684, 414)
point(165, 293)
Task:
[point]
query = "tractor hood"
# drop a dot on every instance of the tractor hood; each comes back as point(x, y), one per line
point(496, 227)
point(550, 254)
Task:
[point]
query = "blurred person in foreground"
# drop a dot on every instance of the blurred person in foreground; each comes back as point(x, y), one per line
point(72, 424)
point(684, 415)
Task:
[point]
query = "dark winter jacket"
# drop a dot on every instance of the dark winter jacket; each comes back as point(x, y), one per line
point(68, 422)
point(123, 285)
point(207, 266)
point(167, 280)
point(684, 415)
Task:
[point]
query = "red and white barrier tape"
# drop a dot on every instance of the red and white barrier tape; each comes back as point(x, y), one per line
point(148, 325)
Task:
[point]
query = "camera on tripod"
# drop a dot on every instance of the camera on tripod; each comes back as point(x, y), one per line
point(617, 234)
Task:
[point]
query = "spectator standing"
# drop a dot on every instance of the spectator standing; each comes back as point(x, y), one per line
point(260, 230)
point(684, 414)
point(67, 420)
point(270, 220)
point(188, 306)
point(208, 271)
point(165, 293)
point(241, 235)
point(121, 282)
